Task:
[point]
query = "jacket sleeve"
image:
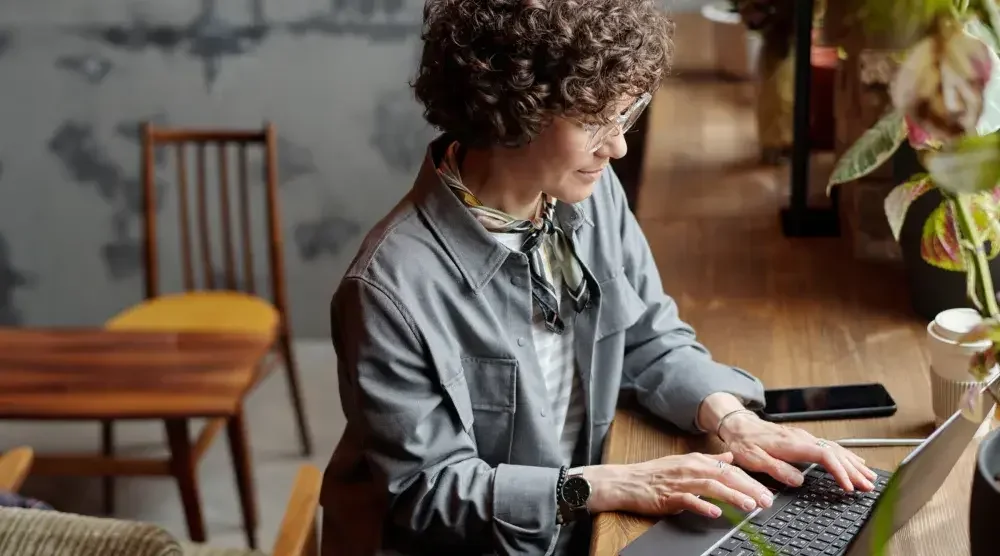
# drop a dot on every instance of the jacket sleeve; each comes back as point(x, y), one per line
point(665, 365)
point(418, 451)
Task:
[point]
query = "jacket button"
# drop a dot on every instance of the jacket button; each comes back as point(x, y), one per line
point(516, 281)
point(521, 341)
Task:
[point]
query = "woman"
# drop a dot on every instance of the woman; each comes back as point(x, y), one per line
point(489, 322)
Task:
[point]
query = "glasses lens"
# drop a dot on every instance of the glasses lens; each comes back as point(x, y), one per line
point(635, 111)
point(598, 137)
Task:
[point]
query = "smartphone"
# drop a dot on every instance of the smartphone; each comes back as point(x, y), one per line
point(817, 403)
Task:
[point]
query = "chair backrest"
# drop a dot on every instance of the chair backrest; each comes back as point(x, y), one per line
point(27, 532)
point(237, 260)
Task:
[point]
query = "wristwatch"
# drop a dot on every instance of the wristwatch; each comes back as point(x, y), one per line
point(573, 493)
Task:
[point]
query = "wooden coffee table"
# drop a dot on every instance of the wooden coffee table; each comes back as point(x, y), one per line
point(95, 374)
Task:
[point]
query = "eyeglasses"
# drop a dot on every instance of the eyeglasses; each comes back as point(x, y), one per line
point(599, 134)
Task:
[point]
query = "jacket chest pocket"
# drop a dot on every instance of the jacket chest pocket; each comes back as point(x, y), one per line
point(621, 306)
point(492, 387)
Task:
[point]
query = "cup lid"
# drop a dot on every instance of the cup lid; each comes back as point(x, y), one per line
point(952, 324)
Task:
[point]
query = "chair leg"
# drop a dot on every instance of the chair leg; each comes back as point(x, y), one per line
point(239, 450)
point(183, 465)
point(108, 481)
point(292, 371)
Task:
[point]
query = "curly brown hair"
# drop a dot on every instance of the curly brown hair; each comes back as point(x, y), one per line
point(494, 72)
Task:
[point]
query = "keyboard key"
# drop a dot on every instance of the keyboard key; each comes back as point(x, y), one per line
point(852, 516)
point(781, 539)
point(835, 530)
point(732, 543)
point(720, 552)
point(815, 528)
point(827, 538)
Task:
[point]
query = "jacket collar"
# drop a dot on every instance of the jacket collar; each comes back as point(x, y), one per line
point(476, 253)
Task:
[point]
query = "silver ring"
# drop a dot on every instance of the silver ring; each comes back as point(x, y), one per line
point(822, 444)
point(722, 465)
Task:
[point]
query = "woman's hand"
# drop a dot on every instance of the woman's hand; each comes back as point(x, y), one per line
point(674, 484)
point(761, 446)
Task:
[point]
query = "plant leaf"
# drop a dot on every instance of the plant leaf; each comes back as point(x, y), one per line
point(989, 120)
point(971, 164)
point(939, 244)
point(901, 197)
point(871, 150)
point(900, 20)
point(989, 329)
point(985, 214)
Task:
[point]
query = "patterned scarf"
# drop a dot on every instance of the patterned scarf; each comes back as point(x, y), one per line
point(542, 229)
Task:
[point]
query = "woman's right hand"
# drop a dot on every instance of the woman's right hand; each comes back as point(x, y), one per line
point(673, 484)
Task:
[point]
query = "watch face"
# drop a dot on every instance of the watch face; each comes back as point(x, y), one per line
point(576, 491)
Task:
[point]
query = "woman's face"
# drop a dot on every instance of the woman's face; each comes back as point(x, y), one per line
point(567, 169)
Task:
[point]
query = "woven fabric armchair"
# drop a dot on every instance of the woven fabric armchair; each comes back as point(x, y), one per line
point(34, 532)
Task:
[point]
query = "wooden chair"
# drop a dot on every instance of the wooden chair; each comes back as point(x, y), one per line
point(226, 301)
point(15, 465)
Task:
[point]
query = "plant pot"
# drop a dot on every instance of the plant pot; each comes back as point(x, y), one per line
point(932, 289)
point(984, 503)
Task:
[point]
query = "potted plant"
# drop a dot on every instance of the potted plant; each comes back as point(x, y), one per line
point(946, 109)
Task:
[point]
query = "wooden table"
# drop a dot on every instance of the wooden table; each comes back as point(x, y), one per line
point(940, 528)
point(94, 374)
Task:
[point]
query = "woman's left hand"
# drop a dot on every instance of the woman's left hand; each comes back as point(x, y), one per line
point(765, 447)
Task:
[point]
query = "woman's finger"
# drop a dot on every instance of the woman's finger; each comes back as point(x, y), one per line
point(711, 488)
point(860, 463)
point(763, 462)
point(736, 478)
point(685, 501)
point(857, 476)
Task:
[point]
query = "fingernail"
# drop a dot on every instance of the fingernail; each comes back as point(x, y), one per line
point(749, 504)
point(766, 500)
point(715, 511)
point(794, 479)
point(869, 485)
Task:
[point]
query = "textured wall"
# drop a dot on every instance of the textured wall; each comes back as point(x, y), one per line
point(78, 76)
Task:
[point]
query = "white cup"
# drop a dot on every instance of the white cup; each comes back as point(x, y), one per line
point(950, 359)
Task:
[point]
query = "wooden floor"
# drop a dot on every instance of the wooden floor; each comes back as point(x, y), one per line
point(804, 310)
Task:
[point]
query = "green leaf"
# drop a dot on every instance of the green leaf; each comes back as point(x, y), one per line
point(901, 197)
point(901, 20)
point(989, 121)
point(969, 165)
point(939, 244)
point(989, 329)
point(975, 27)
point(871, 150)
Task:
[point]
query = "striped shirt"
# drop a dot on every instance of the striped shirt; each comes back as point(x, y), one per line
point(556, 359)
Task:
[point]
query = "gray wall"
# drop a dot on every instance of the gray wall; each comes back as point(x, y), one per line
point(78, 76)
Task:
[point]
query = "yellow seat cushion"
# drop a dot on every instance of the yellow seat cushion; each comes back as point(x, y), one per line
point(200, 311)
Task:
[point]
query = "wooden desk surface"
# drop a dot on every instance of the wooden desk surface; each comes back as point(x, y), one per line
point(76, 373)
point(940, 528)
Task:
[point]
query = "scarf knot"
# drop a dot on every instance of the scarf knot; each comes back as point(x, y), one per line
point(538, 233)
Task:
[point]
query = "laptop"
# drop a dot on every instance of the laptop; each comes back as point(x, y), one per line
point(819, 518)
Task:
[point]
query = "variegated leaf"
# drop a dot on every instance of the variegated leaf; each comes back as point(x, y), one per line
point(970, 165)
point(939, 244)
point(901, 197)
point(870, 151)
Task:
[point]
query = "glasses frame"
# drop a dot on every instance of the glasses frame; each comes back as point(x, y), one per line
point(621, 123)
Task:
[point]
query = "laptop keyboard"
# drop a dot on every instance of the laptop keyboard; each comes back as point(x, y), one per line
point(820, 521)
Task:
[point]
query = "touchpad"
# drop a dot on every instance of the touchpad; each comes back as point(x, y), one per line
point(684, 534)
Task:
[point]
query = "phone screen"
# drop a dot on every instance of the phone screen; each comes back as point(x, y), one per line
point(826, 398)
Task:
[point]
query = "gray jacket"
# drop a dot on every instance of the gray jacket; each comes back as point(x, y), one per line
point(448, 448)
